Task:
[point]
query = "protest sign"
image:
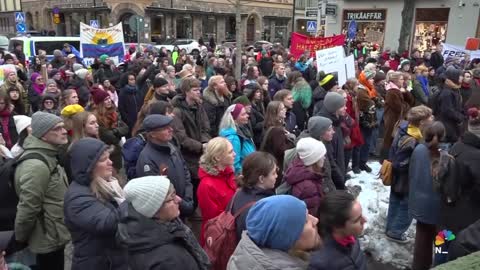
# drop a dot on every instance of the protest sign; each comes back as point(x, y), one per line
point(332, 60)
point(350, 66)
point(94, 42)
point(450, 50)
point(301, 43)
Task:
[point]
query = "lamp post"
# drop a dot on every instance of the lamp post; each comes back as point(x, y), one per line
point(293, 15)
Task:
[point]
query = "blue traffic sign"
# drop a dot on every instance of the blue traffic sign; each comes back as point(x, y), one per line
point(19, 17)
point(21, 27)
point(311, 26)
point(352, 29)
point(94, 23)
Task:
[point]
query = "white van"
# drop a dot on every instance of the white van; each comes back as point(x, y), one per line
point(32, 44)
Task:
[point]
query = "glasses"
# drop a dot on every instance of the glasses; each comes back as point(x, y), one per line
point(48, 102)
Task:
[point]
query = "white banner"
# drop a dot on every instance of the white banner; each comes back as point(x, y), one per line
point(95, 42)
point(332, 60)
point(450, 50)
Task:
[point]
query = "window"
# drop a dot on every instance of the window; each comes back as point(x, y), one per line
point(50, 46)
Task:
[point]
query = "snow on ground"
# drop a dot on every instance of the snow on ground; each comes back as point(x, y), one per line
point(374, 200)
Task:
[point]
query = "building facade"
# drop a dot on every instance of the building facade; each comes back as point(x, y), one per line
point(450, 21)
point(261, 19)
point(7, 18)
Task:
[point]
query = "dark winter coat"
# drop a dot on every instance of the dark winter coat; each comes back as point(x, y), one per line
point(424, 200)
point(317, 99)
point(436, 60)
point(276, 84)
point(154, 158)
point(112, 136)
point(465, 210)
point(337, 141)
point(257, 119)
point(82, 91)
point(215, 107)
point(92, 223)
point(333, 256)
point(266, 66)
point(466, 242)
point(143, 81)
point(155, 245)
point(450, 112)
point(301, 115)
point(397, 104)
point(291, 123)
point(129, 104)
point(131, 151)
point(306, 185)
point(244, 196)
point(192, 130)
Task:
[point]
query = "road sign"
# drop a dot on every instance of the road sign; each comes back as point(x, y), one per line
point(94, 23)
point(19, 17)
point(352, 29)
point(55, 10)
point(311, 12)
point(21, 28)
point(331, 9)
point(56, 20)
point(311, 26)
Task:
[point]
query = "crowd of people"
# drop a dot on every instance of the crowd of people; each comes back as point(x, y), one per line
point(121, 162)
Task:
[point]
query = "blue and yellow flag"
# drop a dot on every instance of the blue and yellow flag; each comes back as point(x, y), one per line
point(109, 41)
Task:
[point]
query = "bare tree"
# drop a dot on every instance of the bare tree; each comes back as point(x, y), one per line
point(407, 23)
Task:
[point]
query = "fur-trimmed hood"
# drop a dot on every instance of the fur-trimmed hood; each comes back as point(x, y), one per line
point(211, 96)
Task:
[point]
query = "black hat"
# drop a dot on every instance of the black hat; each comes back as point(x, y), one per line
point(453, 74)
point(159, 82)
point(156, 121)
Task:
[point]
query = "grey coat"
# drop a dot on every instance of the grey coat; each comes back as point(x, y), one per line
point(249, 256)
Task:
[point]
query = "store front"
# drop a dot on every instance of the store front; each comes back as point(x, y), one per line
point(430, 27)
point(209, 26)
point(184, 26)
point(370, 24)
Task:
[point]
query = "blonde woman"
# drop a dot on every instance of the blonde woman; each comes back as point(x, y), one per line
point(91, 208)
point(84, 125)
point(217, 180)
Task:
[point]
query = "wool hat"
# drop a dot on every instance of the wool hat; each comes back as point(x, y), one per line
point(379, 76)
point(310, 150)
point(82, 73)
point(49, 97)
point(453, 74)
point(403, 63)
point(476, 73)
point(369, 74)
point(242, 100)
point(184, 74)
point(54, 72)
point(99, 96)
point(22, 122)
point(236, 111)
point(327, 81)
point(103, 58)
point(51, 81)
point(333, 101)
point(159, 82)
point(77, 67)
point(318, 125)
point(250, 90)
point(42, 122)
point(57, 53)
point(71, 110)
point(276, 222)
point(147, 194)
point(474, 120)
point(156, 121)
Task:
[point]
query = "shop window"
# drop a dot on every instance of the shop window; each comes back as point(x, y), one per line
point(157, 28)
point(209, 24)
point(370, 24)
point(184, 26)
point(430, 27)
point(230, 28)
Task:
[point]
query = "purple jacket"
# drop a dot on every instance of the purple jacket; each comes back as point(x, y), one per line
point(306, 185)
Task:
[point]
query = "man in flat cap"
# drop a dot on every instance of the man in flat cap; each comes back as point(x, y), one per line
point(161, 157)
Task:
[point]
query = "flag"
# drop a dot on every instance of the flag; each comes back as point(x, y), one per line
point(94, 42)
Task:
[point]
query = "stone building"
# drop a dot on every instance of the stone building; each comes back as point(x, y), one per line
point(261, 19)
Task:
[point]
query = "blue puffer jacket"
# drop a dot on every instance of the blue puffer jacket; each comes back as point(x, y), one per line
point(242, 144)
point(276, 84)
point(91, 222)
point(131, 151)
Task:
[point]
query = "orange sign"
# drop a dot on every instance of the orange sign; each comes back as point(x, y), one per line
point(472, 44)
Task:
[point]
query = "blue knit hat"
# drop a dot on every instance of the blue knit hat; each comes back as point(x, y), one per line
point(276, 222)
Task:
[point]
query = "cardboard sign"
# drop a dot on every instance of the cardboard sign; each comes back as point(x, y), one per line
point(472, 44)
point(332, 61)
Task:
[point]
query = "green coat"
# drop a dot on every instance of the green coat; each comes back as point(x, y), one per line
point(469, 262)
point(40, 221)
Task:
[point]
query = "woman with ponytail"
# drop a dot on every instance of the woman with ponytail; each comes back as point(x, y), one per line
point(424, 200)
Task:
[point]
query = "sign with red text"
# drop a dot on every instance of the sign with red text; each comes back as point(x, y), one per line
point(301, 43)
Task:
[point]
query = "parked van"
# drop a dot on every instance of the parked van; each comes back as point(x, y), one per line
point(32, 44)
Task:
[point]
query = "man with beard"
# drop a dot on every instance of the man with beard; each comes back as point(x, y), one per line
point(216, 99)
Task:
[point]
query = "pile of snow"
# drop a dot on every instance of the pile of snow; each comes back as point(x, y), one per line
point(374, 200)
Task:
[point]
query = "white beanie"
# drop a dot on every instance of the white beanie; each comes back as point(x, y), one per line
point(82, 73)
point(147, 194)
point(22, 122)
point(310, 150)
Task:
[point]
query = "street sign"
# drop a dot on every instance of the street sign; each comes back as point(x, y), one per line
point(331, 9)
point(352, 29)
point(21, 28)
point(311, 12)
point(94, 23)
point(19, 17)
point(311, 26)
point(56, 20)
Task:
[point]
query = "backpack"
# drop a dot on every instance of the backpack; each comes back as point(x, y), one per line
point(131, 151)
point(8, 195)
point(221, 236)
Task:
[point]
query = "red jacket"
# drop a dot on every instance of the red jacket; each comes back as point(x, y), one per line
point(214, 193)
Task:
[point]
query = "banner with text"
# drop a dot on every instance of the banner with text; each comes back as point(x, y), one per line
point(301, 43)
point(94, 42)
point(332, 60)
point(450, 50)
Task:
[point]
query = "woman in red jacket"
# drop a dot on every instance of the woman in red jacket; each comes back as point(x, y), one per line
point(217, 180)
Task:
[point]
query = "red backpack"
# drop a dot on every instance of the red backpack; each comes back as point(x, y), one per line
point(221, 237)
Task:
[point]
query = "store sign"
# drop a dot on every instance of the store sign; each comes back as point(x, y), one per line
point(301, 43)
point(450, 50)
point(364, 15)
point(331, 9)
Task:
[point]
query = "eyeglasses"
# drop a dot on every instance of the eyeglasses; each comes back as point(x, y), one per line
point(48, 102)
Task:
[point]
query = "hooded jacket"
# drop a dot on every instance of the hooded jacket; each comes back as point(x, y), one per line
point(192, 130)
point(248, 256)
point(306, 185)
point(129, 104)
point(214, 193)
point(39, 220)
point(242, 145)
point(156, 157)
point(450, 111)
point(215, 107)
point(154, 245)
point(333, 256)
point(92, 223)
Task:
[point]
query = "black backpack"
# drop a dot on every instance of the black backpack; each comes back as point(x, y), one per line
point(8, 195)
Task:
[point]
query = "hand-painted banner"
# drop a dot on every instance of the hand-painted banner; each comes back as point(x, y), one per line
point(450, 50)
point(301, 43)
point(95, 42)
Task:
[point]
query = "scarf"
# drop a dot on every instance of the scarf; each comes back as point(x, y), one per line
point(414, 132)
point(424, 83)
point(466, 85)
point(38, 88)
point(345, 241)
point(5, 120)
point(364, 81)
point(130, 89)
